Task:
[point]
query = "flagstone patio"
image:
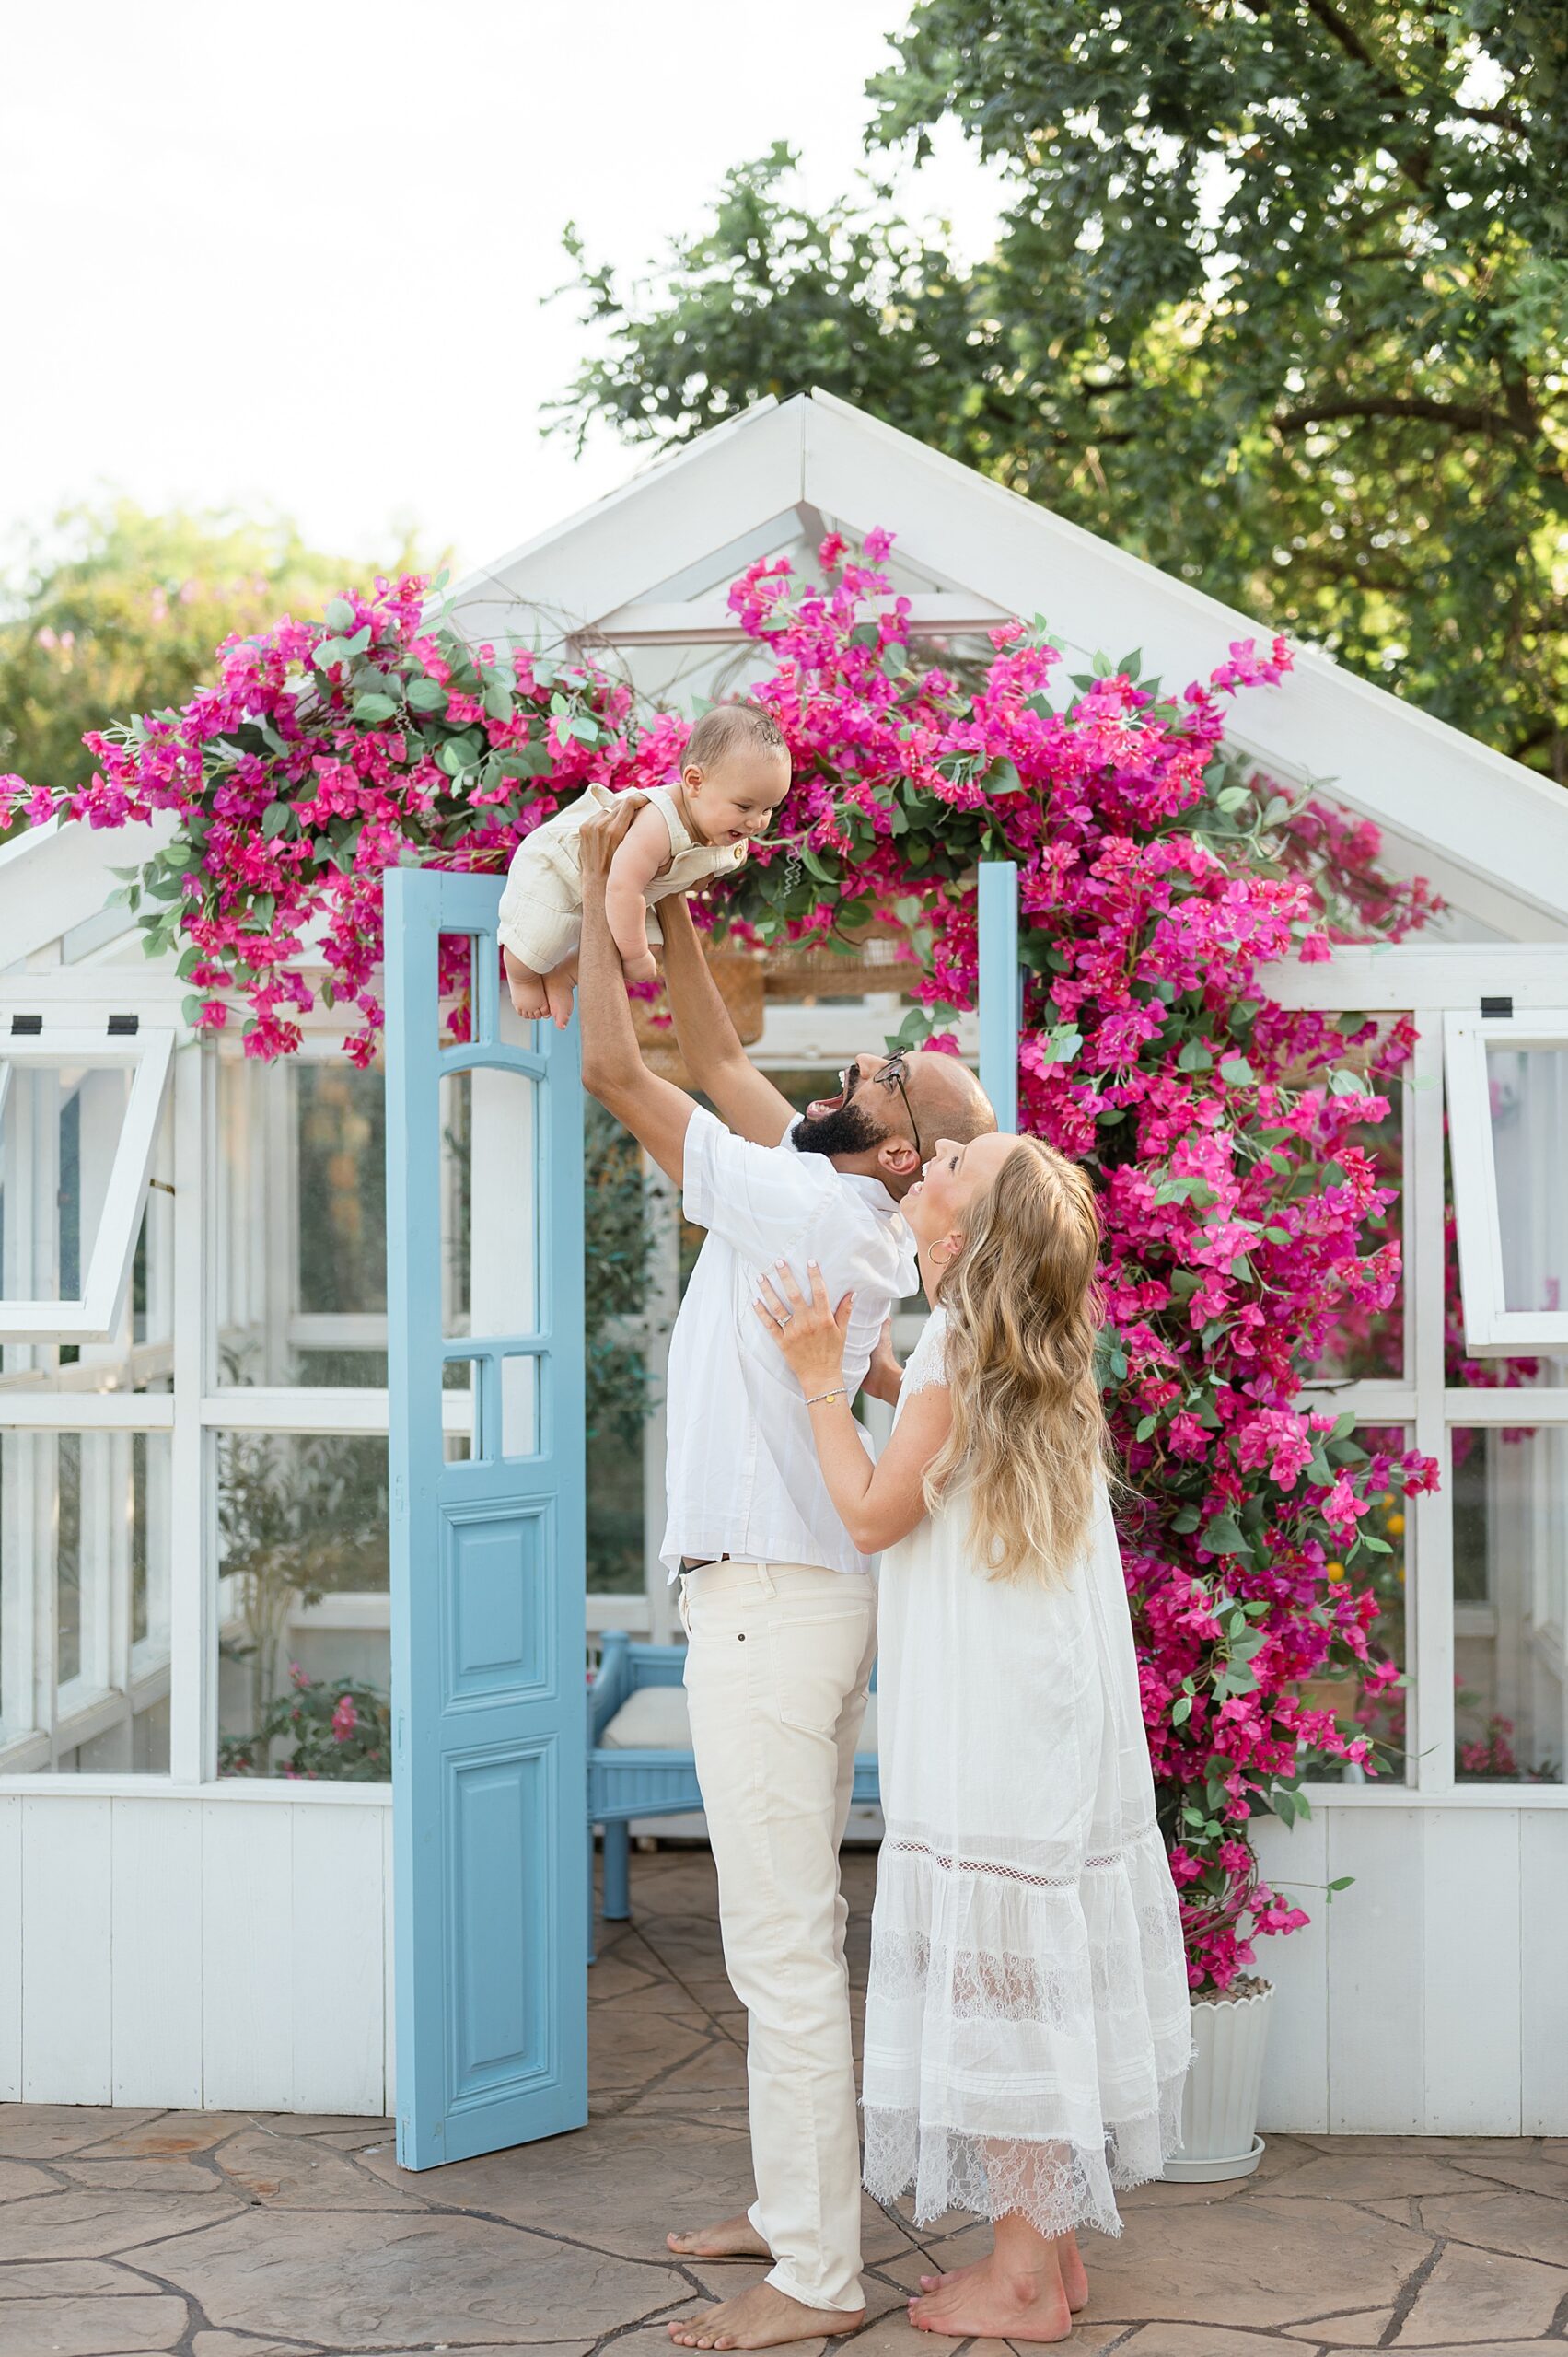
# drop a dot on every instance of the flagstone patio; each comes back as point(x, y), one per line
point(123, 2234)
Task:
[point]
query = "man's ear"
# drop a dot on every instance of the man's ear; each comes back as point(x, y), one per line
point(898, 1156)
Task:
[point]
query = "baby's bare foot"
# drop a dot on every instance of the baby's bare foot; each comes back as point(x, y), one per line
point(762, 2318)
point(731, 2239)
point(529, 997)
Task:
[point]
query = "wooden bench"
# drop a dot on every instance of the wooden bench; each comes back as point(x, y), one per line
point(640, 1761)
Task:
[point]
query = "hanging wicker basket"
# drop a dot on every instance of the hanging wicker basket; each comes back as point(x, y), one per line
point(739, 974)
point(881, 960)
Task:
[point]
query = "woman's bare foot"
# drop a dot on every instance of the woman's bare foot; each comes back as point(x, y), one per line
point(1074, 2277)
point(731, 2239)
point(995, 2301)
point(762, 2318)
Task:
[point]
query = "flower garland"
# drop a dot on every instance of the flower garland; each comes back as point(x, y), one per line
point(1158, 877)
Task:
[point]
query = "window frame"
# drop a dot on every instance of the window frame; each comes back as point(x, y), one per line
point(94, 1315)
point(1491, 1329)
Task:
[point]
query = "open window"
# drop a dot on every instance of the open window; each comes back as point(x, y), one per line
point(1508, 1148)
point(79, 1113)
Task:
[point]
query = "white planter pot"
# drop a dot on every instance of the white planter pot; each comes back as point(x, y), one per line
point(1219, 2106)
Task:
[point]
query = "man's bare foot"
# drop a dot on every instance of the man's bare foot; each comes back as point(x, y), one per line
point(987, 2302)
point(1075, 2276)
point(731, 2239)
point(762, 2318)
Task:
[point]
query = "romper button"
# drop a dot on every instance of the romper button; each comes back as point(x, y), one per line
point(743, 1636)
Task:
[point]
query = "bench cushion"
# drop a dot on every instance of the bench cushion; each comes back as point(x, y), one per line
point(654, 1718)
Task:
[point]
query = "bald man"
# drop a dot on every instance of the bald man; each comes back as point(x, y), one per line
point(779, 1609)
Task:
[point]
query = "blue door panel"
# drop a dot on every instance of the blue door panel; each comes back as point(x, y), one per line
point(489, 1705)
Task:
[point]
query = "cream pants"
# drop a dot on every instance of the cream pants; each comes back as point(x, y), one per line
point(777, 1668)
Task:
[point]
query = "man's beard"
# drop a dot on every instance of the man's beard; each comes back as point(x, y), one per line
point(848, 1129)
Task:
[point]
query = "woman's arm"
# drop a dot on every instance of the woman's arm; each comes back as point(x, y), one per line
point(877, 1503)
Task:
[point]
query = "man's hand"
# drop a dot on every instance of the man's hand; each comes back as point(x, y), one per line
point(884, 1376)
point(602, 836)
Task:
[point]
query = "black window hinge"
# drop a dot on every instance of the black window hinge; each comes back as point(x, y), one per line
point(1497, 1007)
point(124, 1027)
point(26, 1027)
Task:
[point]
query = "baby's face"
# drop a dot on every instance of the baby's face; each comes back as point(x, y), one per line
point(734, 801)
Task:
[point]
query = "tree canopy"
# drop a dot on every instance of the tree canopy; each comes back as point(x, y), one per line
point(121, 613)
point(1279, 302)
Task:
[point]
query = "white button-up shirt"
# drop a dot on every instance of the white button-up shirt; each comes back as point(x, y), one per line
point(742, 1473)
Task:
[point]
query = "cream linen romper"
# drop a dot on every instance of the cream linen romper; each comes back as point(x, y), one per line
point(541, 907)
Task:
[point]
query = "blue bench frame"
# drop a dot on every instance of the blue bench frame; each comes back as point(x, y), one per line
point(624, 1784)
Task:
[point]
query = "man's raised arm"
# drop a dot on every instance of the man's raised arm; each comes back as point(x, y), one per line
point(710, 1045)
point(655, 1110)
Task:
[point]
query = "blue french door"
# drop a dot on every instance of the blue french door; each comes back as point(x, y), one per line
point(484, 1224)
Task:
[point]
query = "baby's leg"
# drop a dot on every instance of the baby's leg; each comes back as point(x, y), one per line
point(559, 985)
point(531, 992)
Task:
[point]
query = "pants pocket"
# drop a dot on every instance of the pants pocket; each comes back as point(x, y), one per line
point(816, 1664)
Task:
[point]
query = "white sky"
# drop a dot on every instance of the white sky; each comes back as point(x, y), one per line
point(297, 259)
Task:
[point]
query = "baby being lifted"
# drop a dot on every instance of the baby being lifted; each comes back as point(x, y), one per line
point(735, 774)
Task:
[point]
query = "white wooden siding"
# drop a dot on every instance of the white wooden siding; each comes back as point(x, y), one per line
point(222, 1949)
point(1432, 1997)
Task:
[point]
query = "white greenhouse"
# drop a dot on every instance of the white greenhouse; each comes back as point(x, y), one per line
point(193, 1389)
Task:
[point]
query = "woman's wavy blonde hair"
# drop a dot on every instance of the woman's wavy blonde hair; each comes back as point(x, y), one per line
point(1029, 1445)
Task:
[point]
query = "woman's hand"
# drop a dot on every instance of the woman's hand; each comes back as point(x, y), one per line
point(809, 1332)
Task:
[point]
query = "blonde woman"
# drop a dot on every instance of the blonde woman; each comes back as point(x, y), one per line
point(1027, 2028)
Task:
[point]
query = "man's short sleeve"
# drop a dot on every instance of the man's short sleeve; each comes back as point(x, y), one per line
point(758, 1198)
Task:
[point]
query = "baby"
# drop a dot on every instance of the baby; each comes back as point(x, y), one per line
point(735, 774)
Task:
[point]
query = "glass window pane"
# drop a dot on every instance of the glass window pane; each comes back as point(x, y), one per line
point(84, 1534)
point(303, 1564)
point(1374, 1706)
point(1370, 1343)
point(1527, 1101)
point(301, 1218)
point(1510, 1500)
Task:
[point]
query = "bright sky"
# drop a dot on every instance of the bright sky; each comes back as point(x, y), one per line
point(297, 258)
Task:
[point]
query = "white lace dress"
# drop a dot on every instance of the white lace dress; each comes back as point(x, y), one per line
point(1027, 2021)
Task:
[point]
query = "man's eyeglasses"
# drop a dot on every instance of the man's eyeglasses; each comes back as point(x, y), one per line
point(891, 1076)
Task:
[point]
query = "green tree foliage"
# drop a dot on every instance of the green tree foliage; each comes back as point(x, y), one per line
point(120, 611)
point(1279, 302)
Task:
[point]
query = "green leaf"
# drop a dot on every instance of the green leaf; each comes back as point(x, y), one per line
point(1237, 1071)
point(1349, 1084)
point(1195, 1057)
point(1181, 1710)
point(274, 819)
point(499, 701)
point(895, 660)
point(1146, 1425)
point(426, 695)
point(1224, 1536)
point(338, 615)
point(374, 707)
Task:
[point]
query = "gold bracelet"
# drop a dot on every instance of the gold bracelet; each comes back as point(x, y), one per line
point(823, 1397)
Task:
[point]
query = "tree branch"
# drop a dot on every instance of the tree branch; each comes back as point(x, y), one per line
point(1458, 414)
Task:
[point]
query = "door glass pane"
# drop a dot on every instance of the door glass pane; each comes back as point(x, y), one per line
point(1528, 1092)
point(85, 1537)
point(301, 1200)
point(1510, 1495)
point(489, 1204)
point(60, 1127)
point(303, 1558)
